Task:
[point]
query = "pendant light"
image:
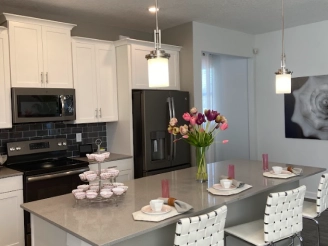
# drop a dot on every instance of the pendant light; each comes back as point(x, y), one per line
point(283, 75)
point(158, 61)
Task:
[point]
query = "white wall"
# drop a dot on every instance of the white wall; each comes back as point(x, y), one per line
point(307, 52)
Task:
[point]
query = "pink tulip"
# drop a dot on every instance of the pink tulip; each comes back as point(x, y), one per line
point(193, 120)
point(225, 141)
point(224, 126)
point(186, 116)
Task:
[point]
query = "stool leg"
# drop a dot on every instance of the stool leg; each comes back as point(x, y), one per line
point(318, 228)
point(225, 238)
point(300, 238)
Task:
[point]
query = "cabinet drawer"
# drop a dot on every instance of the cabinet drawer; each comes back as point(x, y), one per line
point(11, 184)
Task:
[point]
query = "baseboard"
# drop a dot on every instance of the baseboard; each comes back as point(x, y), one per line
point(311, 195)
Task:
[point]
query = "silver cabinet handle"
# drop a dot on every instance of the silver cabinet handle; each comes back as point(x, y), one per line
point(41, 77)
point(96, 110)
point(47, 81)
point(100, 112)
point(56, 175)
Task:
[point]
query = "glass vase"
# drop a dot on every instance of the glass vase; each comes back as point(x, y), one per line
point(201, 175)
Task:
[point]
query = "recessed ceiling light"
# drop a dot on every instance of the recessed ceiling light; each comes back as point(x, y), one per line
point(153, 9)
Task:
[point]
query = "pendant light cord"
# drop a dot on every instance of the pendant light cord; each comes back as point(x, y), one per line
point(283, 35)
point(156, 10)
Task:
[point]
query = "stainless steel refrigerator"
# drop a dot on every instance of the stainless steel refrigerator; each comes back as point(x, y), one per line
point(154, 148)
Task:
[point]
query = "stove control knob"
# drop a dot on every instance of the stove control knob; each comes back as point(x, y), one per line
point(12, 148)
point(64, 143)
point(18, 148)
point(59, 144)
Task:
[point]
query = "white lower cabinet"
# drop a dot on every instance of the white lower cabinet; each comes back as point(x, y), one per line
point(11, 214)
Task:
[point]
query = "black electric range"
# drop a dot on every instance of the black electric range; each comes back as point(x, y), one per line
point(47, 172)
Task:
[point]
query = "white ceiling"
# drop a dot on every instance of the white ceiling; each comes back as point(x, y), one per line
point(249, 16)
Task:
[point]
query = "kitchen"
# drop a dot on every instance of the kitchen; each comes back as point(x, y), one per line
point(131, 73)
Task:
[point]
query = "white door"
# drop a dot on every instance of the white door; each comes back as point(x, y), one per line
point(106, 82)
point(12, 221)
point(25, 54)
point(85, 82)
point(5, 103)
point(57, 57)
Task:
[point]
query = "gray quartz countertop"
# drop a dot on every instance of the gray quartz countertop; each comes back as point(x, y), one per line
point(112, 157)
point(106, 224)
point(6, 172)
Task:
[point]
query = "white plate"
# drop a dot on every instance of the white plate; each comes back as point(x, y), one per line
point(219, 187)
point(283, 173)
point(147, 210)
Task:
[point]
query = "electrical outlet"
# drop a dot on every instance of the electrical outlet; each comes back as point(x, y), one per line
point(78, 137)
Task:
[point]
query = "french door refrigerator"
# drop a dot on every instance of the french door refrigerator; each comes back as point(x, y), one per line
point(155, 150)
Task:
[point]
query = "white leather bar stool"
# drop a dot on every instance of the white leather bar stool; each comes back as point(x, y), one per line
point(282, 219)
point(311, 210)
point(202, 230)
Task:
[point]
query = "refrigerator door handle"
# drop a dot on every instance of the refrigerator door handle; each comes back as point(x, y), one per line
point(171, 135)
point(174, 137)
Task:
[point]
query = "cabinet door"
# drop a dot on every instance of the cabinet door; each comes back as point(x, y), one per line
point(84, 69)
point(174, 75)
point(25, 54)
point(57, 57)
point(140, 66)
point(106, 82)
point(5, 103)
point(12, 221)
point(124, 175)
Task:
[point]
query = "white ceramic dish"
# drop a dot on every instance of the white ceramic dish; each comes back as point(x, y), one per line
point(79, 195)
point(83, 187)
point(226, 183)
point(91, 195)
point(106, 194)
point(91, 177)
point(147, 210)
point(118, 184)
point(277, 170)
point(118, 191)
point(283, 173)
point(220, 187)
point(77, 190)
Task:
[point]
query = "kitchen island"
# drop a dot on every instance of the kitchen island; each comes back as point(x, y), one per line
point(59, 221)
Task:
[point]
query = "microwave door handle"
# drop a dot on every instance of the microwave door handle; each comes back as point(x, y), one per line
point(62, 101)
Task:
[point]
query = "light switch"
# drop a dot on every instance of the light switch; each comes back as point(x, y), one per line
point(78, 137)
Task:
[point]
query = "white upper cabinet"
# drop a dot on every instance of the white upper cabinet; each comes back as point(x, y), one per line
point(5, 103)
point(40, 52)
point(94, 67)
point(57, 57)
point(106, 82)
point(139, 64)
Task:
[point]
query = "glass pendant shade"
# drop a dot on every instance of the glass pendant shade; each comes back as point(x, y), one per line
point(283, 83)
point(158, 72)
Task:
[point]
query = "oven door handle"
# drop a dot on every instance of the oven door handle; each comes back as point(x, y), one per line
point(55, 175)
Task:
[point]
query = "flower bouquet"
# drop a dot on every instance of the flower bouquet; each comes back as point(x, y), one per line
point(199, 131)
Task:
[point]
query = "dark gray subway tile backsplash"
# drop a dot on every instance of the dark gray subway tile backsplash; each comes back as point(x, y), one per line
point(22, 132)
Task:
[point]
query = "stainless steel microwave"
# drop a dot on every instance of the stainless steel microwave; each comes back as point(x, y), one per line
point(42, 104)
